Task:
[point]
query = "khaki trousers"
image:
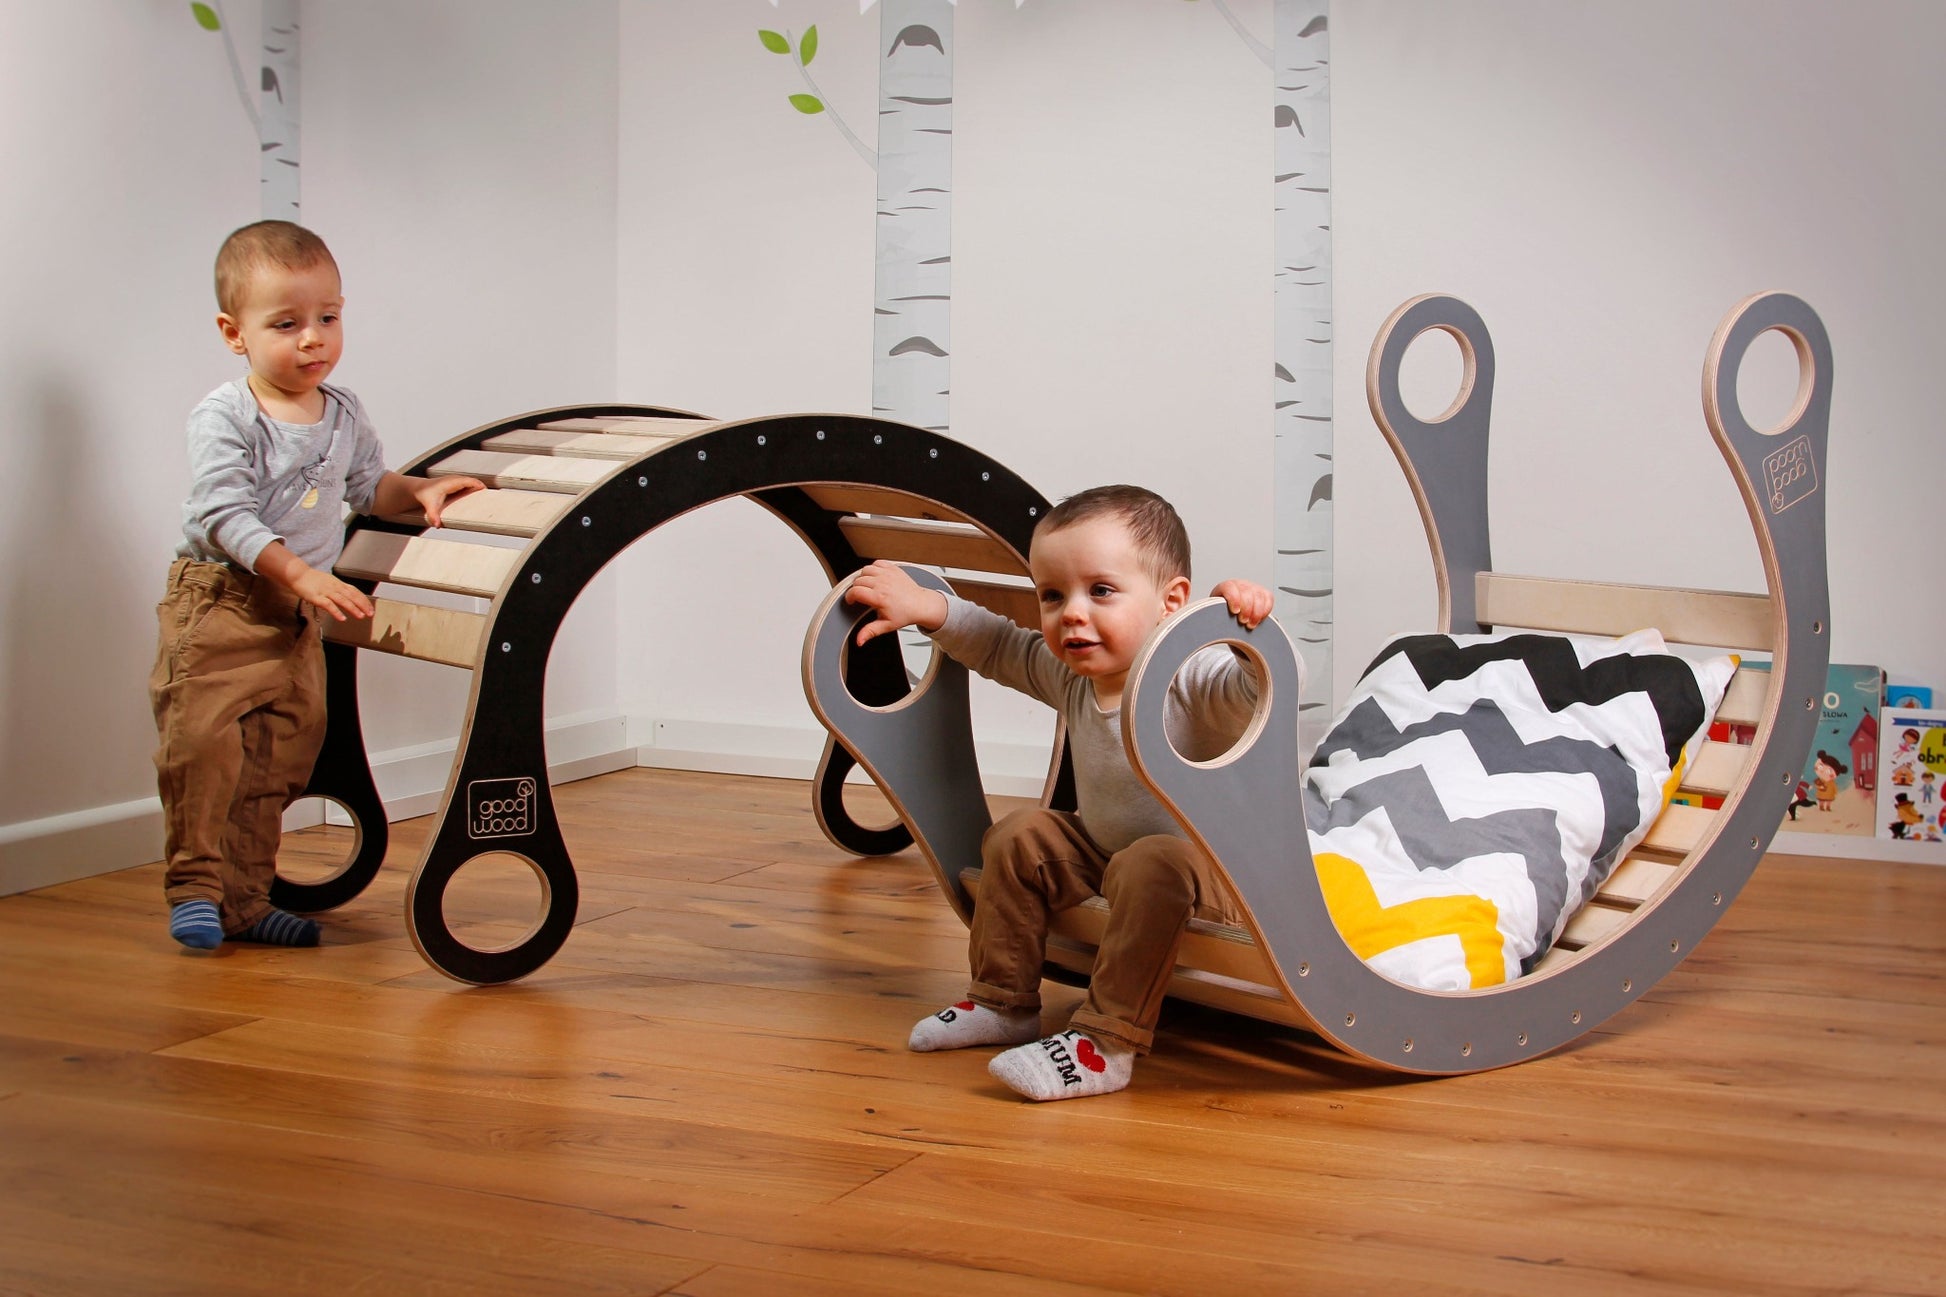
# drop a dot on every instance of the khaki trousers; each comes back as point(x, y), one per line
point(238, 692)
point(1035, 863)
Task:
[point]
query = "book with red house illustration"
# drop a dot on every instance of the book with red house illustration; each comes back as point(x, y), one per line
point(1839, 790)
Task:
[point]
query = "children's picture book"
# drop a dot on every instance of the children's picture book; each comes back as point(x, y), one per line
point(1839, 790)
point(1912, 768)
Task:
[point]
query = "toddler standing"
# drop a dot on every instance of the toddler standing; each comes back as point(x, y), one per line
point(238, 684)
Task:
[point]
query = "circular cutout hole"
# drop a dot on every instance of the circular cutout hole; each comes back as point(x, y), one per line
point(866, 804)
point(1434, 376)
point(1773, 381)
point(495, 901)
point(1260, 673)
point(316, 849)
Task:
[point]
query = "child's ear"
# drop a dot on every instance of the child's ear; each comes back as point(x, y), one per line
point(232, 335)
point(1175, 595)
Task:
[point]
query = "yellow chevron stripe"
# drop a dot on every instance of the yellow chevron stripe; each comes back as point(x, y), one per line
point(1370, 928)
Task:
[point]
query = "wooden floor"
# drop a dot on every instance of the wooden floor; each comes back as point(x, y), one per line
point(707, 1092)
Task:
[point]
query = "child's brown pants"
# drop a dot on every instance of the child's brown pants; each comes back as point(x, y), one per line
point(1037, 862)
point(238, 692)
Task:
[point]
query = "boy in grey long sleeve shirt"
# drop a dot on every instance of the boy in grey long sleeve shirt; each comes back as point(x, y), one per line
point(1109, 565)
point(238, 684)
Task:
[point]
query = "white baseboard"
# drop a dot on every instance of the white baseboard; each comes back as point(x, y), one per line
point(783, 752)
point(411, 781)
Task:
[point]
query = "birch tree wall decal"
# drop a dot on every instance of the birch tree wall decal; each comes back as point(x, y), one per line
point(1303, 347)
point(278, 132)
point(913, 300)
point(276, 127)
point(912, 243)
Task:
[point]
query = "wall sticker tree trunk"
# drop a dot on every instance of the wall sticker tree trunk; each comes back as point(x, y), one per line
point(278, 129)
point(1302, 304)
point(275, 127)
point(912, 307)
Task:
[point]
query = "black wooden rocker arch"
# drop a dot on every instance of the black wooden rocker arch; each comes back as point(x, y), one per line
point(584, 483)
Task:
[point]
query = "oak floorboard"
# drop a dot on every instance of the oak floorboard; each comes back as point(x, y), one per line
point(706, 1092)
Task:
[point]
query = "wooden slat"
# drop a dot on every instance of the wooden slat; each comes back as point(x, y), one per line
point(1716, 768)
point(1679, 828)
point(1018, 603)
point(1743, 702)
point(496, 512)
point(533, 472)
point(1597, 608)
point(576, 445)
point(414, 630)
point(1636, 880)
point(1590, 924)
point(842, 497)
point(636, 424)
point(938, 544)
point(427, 562)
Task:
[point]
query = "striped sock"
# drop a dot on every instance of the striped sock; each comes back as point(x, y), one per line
point(196, 924)
point(277, 928)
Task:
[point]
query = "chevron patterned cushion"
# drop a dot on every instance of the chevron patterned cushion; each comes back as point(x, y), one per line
point(1477, 789)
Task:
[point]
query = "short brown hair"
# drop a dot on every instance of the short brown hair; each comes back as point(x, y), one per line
point(264, 243)
point(1152, 524)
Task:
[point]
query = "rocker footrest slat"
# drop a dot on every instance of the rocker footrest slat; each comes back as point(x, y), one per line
point(1599, 608)
point(1678, 829)
point(1635, 881)
point(641, 425)
point(844, 498)
point(496, 512)
point(578, 445)
point(931, 544)
point(1715, 769)
point(532, 472)
point(430, 564)
point(1018, 603)
point(414, 630)
point(1743, 702)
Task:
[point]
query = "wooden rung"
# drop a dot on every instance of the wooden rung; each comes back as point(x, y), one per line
point(1636, 881)
point(427, 562)
point(534, 472)
point(1679, 828)
point(575, 445)
point(1597, 608)
point(842, 498)
point(499, 513)
point(414, 630)
point(1590, 924)
point(934, 544)
point(1743, 702)
point(641, 425)
point(1017, 603)
point(1716, 768)
point(1553, 959)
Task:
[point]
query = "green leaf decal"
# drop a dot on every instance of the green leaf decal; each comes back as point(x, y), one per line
point(773, 41)
point(206, 17)
point(807, 49)
point(807, 104)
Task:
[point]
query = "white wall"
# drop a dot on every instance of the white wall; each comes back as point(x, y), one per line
point(1602, 183)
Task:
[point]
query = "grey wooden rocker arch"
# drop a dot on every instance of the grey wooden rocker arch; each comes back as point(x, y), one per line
point(1289, 964)
point(580, 484)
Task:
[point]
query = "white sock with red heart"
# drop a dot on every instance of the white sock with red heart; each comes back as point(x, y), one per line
point(958, 1025)
point(1067, 1066)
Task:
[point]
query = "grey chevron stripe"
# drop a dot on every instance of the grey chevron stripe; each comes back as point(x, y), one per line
point(1433, 841)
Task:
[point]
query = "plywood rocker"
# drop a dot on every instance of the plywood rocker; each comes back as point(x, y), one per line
point(578, 485)
point(1289, 963)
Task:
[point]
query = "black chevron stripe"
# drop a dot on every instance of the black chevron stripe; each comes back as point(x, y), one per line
point(1561, 679)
